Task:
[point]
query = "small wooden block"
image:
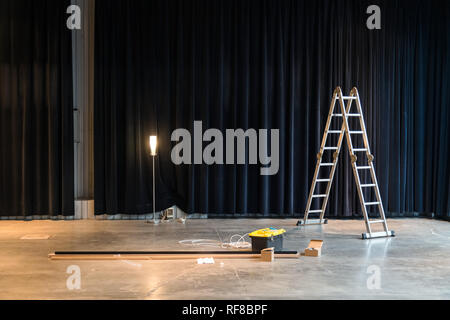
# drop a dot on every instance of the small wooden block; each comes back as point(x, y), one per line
point(314, 249)
point(268, 255)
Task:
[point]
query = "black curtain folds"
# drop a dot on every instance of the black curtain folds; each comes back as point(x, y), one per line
point(36, 132)
point(161, 65)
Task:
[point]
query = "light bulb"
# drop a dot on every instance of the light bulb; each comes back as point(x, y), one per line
point(153, 144)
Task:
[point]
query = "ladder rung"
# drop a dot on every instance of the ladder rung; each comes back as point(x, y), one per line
point(347, 98)
point(363, 168)
point(327, 164)
point(369, 185)
point(376, 221)
point(323, 180)
point(315, 211)
point(319, 196)
point(330, 148)
point(359, 150)
point(356, 132)
point(348, 115)
point(334, 131)
point(371, 203)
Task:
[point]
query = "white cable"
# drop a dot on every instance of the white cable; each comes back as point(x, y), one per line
point(239, 244)
point(200, 243)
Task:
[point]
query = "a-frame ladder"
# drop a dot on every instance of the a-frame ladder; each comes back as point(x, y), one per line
point(346, 103)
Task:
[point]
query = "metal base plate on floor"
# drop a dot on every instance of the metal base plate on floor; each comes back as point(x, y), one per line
point(382, 234)
point(312, 222)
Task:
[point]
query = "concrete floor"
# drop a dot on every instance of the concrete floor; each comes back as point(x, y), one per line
point(414, 265)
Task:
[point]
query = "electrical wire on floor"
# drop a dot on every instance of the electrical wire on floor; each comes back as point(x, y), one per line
point(240, 243)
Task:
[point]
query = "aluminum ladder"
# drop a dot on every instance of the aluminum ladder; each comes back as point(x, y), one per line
point(345, 103)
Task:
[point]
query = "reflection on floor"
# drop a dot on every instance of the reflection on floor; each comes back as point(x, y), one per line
point(415, 264)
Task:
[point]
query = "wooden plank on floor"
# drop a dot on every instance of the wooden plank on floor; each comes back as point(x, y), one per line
point(166, 255)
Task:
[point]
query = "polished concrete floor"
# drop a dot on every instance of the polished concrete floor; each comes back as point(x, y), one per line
point(413, 265)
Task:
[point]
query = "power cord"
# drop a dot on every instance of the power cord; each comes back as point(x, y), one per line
point(238, 244)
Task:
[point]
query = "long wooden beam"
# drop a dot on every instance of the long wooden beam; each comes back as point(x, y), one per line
point(165, 255)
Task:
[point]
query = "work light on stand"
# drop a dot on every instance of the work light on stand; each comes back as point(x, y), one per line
point(153, 147)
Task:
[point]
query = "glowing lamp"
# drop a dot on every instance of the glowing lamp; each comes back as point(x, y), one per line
point(153, 145)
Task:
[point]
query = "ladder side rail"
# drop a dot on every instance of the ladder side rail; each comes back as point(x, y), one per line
point(331, 177)
point(319, 159)
point(361, 198)
point(352, 156)
point(328, 124)
point(333, 170)
point(311, 191)
point(362, 122)
point(378, 196)
point(370, 157)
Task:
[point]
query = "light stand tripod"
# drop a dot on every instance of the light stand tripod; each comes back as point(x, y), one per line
point(153, 145)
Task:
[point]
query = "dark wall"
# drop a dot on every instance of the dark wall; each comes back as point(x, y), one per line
point(160, 65)
point(36, 142)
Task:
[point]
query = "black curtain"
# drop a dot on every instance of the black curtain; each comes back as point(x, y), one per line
point(36, 159)
point(160, 65)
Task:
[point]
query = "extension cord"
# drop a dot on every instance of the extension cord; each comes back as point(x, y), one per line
point(239, 244)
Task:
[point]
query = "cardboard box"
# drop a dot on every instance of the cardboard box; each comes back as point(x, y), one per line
point(314, 249)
